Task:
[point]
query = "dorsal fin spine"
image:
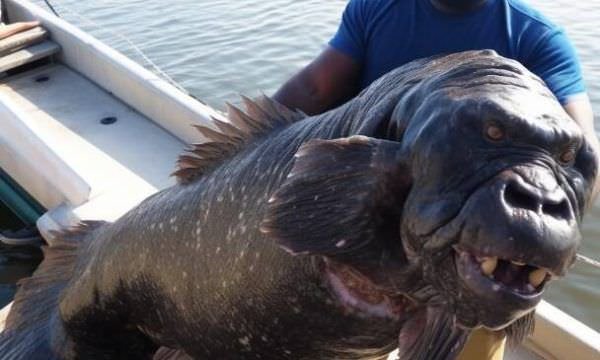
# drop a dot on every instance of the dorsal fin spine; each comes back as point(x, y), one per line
point(261, 116)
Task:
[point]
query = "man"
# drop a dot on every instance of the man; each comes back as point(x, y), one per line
point(376, 36)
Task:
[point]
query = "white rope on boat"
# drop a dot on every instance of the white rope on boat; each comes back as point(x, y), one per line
point(139, 51)
point(588, 261)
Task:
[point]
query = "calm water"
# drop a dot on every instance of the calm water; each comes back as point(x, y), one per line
point(219, 48)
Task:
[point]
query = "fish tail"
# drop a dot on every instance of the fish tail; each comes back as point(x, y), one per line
point(32, 329)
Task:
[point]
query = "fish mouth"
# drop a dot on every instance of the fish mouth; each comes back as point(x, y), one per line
point(512, 285)
point(357, 294)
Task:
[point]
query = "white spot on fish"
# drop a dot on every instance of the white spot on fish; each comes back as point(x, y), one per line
point(172, 220)
point(496, 287)
point(218, 250)
point(241, 215)
point(244, 340)
point(340, 244)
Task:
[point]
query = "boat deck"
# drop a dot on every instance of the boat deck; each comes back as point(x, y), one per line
point(95, 165)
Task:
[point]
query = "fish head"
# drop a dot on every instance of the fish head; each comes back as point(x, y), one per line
point(501, 177)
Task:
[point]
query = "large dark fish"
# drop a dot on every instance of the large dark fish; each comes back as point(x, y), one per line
point(439, 200)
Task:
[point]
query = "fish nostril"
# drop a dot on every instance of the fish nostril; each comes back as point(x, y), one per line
point(558, 210)
point(518, 197)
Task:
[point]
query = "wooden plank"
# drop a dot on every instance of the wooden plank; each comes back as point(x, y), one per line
point(11, 29)
point(22, 40)
point(484, 344)
point(28, 55)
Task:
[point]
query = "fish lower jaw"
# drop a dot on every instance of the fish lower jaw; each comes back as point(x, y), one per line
point(353, 303)
point(498, 298)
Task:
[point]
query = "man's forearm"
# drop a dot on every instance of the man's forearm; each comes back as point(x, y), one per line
point(326, 82)
point(297, 94)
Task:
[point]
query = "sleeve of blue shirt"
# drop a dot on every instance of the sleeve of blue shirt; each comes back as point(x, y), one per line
point(350, 38)
point(554, 60)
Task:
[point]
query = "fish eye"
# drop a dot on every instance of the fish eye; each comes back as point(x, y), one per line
point(494, 132)
point(567, 156)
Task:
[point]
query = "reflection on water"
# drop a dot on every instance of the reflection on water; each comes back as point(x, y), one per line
point(219, 48)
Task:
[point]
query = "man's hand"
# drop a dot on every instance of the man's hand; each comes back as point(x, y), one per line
point(329, 80)
point(580, 109)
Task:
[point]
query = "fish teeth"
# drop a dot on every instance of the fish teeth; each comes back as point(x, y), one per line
point(518, 263)
point(536, 277)
point(488, 265)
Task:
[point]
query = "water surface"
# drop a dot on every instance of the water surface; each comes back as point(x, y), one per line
point(217, 49)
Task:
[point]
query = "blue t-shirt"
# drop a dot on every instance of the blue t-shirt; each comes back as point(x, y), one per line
point(384, 34)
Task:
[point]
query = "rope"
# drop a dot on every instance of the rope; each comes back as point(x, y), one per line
point(51, 7)
point(139, 51)
point(588, 261)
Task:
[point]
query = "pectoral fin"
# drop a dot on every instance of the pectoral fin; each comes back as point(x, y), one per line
point(339, 198)
point(430, 334)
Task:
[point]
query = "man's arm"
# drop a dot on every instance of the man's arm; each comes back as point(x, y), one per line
point(580, 109)
point(326, 82)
